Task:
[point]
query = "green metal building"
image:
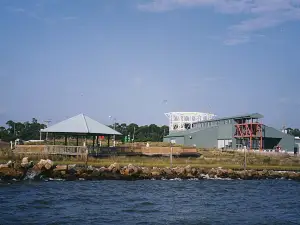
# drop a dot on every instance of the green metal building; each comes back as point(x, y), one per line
point(233, 132)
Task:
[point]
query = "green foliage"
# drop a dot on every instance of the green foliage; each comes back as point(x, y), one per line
point(144, 133)
point(295, 132)
point(24, 131)
point(31, 131)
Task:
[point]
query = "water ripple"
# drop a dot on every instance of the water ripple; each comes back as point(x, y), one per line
point(151, 202)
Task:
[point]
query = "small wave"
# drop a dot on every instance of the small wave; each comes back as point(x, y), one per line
point(81, 179)
point(178, 179)
point(31, 174)
point(207, 177)
point(56, 179)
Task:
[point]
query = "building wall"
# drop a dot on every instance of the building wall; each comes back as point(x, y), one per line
point(206, 138)
point(178, 140)
point(272, 135)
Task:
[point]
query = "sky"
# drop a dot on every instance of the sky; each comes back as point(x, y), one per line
point(134, 60)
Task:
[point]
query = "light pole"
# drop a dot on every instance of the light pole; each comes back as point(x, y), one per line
point(114, 121)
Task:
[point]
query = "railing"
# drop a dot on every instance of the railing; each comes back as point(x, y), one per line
point(50, 149)
point(65, 150)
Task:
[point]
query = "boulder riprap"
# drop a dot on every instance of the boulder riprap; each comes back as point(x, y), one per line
point(9, 164)
point(45, 169)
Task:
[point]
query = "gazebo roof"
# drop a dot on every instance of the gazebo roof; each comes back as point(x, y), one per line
point(80, 124)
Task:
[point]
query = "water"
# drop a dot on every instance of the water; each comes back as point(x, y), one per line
point(151, 202)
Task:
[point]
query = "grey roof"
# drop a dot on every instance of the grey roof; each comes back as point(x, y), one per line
point(245, 116)
point(80, 124)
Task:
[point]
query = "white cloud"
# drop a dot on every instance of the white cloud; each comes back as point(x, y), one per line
point(262, 14)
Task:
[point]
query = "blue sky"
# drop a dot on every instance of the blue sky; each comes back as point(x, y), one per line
point(123, 58)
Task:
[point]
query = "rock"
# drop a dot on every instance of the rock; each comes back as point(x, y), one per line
point(47, 164)
point(7, 173)
point(115, 167)
point(90, 168)
point(212, 172)
point(179, 170)
point(61, 168)
point(190, 175)
point(4, 166)
point(71, 166)
point(103, 169)
point(9, 164)
point(146, 170)
point(167, 171)
point(155, 173)
point(130, 170)
point(188, 169)
point(194, 171)
point(24, 162)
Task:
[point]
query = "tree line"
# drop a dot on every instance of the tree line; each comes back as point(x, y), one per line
point(295, 132)
point(31, 131)
point(144, 133)
point(24, 131)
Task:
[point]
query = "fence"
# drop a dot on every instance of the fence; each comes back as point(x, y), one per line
point(50, 149)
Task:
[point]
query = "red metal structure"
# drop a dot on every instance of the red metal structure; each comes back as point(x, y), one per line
point(249, 131)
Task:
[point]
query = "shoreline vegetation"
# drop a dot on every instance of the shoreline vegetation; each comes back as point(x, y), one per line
point(211, 164)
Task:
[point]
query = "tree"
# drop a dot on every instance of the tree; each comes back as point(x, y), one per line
point(24, 131)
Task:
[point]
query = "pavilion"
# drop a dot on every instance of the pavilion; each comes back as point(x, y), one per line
point(80, 126)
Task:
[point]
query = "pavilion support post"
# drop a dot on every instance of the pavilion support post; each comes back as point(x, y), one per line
point(108, 137)
point(53, 138)
point(97, 143)
point(93, 143)
point(66, 140)
point(76, 140)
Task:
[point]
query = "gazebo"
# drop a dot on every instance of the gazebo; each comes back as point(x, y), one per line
point(78, 126)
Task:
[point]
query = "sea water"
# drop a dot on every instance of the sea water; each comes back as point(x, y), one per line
point(151, 202)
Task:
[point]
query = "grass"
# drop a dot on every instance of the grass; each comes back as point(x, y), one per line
point(208, 159)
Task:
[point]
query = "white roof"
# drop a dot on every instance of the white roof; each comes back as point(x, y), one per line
point(81, 124)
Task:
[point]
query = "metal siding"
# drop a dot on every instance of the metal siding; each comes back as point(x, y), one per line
point(179, 140)
point(206, 138)
point(80, 124)
point(225, 131)
point(287, 141)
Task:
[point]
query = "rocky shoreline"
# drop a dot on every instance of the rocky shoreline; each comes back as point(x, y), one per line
point(45, 170)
